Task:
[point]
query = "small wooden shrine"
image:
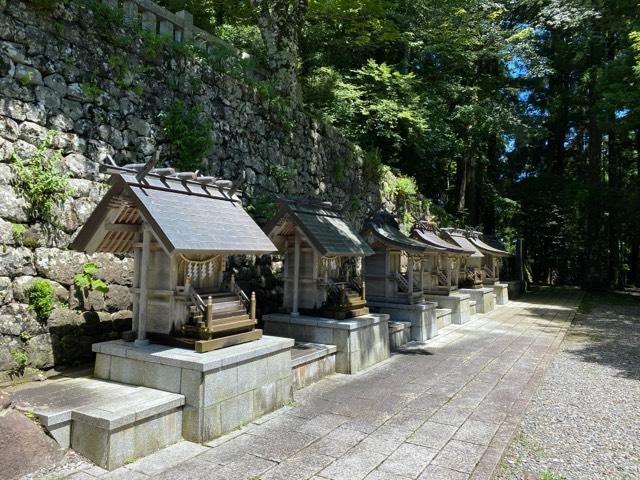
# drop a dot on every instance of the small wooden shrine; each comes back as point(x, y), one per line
point(322, 260)
point(470, 272)
point(180, 230)
point(395, 273)
point(493, 255)
point(441, 268)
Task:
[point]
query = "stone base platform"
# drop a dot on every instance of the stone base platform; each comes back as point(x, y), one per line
point(458, 303)
point(472, 307)
point(399, 334)
point(422, 317)
point(502, 293)
point(109, 423)
point(223, 389)
point(311, 362)
point(485, 301)
point(360, 342)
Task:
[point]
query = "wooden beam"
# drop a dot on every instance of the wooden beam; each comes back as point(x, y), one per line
point(208, 345)
point(296, 273)
point(122, 227)
point(144, 293)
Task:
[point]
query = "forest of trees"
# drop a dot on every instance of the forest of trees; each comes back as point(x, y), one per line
point(517, 116)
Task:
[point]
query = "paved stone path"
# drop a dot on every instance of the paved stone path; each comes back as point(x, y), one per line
point(584, 421)
point(443, 410)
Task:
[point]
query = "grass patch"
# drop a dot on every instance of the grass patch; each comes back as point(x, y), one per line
point(549, 475)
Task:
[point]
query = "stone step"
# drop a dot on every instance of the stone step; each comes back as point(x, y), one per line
point(110, 423)
point(443, 317)
point(310, 362)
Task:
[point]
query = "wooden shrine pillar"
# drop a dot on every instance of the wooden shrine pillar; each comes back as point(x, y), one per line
point(296, 273)
point(144, 287)
point(410, 276)
point(136, 285)
point(421, 274)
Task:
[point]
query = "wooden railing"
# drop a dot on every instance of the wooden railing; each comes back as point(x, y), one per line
point(401, 280)
point(249, 303)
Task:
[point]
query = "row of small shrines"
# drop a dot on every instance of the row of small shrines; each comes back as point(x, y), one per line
point(181, 231)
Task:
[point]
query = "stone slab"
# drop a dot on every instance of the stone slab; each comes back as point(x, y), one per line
point(421, 316)
point(458, 303)
point(189, 359)
point(485, 301)
point(360, 342)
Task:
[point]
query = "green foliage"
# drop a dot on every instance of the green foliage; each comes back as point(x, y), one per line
point(91, 90)
point(46, 6)
point(262, 208)
point(21, 360)
point(40, 182)
point(372, 167)
point(40, 297)
point(188, 131)
point(25, 337)
point(549, 475)
point(17, 231)
point(86, 280)
point(27, 79)
point(109, 23)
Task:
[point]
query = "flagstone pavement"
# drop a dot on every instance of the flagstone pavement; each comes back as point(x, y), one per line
point(441, 410)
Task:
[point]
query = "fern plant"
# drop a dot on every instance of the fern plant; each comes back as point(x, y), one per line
point(40, 182)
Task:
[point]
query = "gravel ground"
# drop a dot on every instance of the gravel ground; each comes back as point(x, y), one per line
point(584, 421)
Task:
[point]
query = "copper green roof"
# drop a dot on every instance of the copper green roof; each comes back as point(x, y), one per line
point(391, 236)
point(324, 227)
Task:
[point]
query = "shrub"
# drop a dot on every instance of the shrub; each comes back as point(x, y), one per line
point(21, 358)
point(86, 280)
point(189, 134)
point(18, 230)
point(40, 298)
point(40, 182)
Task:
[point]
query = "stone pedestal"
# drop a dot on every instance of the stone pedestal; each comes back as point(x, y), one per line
point(458, 303)
point(516, 288)
point(485, 301)
point(360, 342)
point(502, 293)
point(223, 389)
point(422, 317)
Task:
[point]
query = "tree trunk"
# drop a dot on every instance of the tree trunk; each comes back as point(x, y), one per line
point(280, 22)
point(615, 182)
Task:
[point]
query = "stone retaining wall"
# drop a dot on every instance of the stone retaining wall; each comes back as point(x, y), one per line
point(57, 73)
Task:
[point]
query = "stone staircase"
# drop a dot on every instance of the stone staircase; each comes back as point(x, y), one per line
point(355, 306)
point(110, 423)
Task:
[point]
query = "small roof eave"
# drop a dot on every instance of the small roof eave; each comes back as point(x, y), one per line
point(390, 236)
point(434, 241)
point(487, 249)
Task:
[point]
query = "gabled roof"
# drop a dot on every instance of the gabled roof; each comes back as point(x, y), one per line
point(428, 233)
point(185, 216)
point(389, 235)
point(477, 239)
point(459, 237)
point(324, 227)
